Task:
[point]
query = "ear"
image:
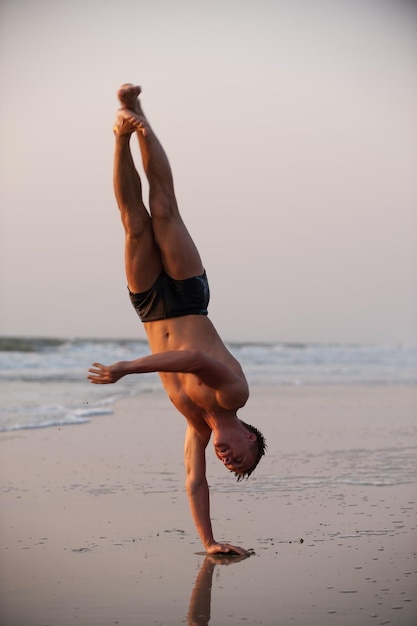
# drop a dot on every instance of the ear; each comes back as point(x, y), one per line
point(250, 436)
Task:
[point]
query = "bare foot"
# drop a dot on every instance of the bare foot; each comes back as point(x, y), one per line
point(128, 95)
point(128, 122)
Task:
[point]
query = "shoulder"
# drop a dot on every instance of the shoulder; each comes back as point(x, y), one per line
point(234, 395)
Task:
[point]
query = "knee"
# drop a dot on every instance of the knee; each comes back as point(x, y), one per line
point(163, 206)
point(135, 228)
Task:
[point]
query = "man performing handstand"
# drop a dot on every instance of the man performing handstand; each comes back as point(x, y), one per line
point(168, 288)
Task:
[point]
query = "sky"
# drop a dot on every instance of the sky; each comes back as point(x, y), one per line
point(291, 130)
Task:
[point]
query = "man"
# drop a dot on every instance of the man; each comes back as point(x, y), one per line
point(168, 288)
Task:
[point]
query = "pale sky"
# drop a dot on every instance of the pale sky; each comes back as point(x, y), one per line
point(291, 129)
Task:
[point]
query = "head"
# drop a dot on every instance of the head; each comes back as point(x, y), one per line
point(242, 453)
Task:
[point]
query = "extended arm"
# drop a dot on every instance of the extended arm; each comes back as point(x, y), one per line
point(211, 372)
point(198, 492)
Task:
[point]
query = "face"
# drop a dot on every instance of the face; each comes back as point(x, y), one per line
point(237, 457)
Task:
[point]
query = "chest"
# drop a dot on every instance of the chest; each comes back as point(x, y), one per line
point(189, 395)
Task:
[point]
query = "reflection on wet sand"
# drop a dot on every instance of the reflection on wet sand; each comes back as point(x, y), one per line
point(200, 601)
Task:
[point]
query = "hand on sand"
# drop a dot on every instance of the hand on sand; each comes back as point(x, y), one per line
point(105, 374)
point(227, 548)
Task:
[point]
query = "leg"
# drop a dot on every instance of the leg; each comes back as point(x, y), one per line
point(142, 257)
point(179, 254)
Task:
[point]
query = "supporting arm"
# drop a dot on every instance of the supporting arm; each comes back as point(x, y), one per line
point(199, 494)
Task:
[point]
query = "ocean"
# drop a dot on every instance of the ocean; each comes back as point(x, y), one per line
point(43, 381)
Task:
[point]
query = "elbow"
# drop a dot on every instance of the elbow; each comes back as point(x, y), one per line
point(194, 484)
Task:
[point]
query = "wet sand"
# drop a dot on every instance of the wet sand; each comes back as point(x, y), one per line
point(95, 527)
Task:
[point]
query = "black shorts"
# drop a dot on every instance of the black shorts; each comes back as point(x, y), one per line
point(172, 298)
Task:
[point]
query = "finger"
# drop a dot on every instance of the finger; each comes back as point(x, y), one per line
point(237, 550)
point(222, 548)
point(97, 368)
point(95, 377)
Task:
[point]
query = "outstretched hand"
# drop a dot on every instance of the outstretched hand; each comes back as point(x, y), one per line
point(227, 548)
point(105, 374)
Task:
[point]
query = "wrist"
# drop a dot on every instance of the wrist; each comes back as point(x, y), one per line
point(120, 369)
point(126, 367)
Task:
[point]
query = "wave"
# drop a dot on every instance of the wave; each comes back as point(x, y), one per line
point(46, 416)
point(40, 344)
point(43, 380)
point(54, 360)
point(29, 344)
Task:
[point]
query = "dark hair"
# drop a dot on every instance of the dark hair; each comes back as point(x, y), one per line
point(258, 448)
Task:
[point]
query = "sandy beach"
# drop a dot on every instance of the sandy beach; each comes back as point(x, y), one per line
point(95, 526)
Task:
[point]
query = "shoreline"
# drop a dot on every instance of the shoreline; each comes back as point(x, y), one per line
point(95, 526)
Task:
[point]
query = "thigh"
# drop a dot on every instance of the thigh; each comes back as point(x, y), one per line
point(178, 252)
point(143, 262)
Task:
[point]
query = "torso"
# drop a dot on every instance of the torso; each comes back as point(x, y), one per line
point(190, 396)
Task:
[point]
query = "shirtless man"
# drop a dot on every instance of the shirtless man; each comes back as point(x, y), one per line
point(168, 288)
